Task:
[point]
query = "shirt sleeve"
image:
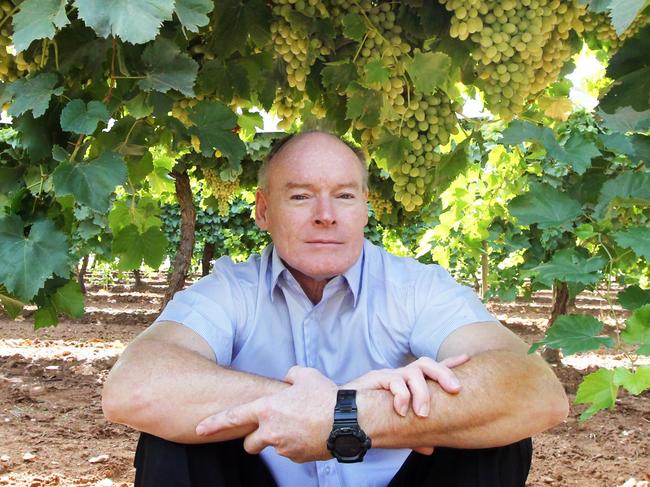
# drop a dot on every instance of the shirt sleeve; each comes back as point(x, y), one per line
point(208, 308)
point(442, 306)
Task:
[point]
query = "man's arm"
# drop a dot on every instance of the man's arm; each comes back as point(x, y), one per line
point(506, 395)
point(167, 381)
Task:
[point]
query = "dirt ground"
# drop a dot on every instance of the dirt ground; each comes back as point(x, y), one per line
point(52, 432)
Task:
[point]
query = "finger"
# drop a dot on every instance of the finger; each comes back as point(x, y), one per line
point(401, 395)
point(440, 373)
point(424, 450)
point(420, 394)
point(293, 374)
point(236, 417)
point(452, 362)
point(256, 442)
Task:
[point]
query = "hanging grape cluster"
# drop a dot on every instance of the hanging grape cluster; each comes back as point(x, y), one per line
point(519, 45)
point(379, 205)
point(599, 28)
point(223, 191)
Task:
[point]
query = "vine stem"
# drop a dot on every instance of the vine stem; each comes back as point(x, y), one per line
point(56, 54)
point(77, 146)
point(9, 15)
point(109, 94)
point(126, 140)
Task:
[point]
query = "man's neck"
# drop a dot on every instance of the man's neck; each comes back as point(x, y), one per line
point(313, 287)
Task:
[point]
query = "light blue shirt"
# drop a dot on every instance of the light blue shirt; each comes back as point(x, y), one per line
point(383, 312)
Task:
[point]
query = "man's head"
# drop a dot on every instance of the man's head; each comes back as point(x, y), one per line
point(312, 199)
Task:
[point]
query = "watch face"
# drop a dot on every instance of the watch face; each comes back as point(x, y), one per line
point(347, 445)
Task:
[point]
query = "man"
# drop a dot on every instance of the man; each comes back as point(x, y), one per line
point(219, 364)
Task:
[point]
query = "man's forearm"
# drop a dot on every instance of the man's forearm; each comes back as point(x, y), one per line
point(505, 396)
point(169, 401)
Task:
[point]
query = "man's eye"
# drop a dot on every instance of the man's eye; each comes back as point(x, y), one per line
point(298, 196)
point(346, 196)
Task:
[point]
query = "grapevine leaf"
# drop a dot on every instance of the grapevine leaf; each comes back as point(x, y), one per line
point(635, 238)
point(339, 75)
point(429, 71)
point(10, 178)
point(139, 106)
point(618, 143)
point(35, 136)
point(634, 382)
point(248, 123)
point(623, 13)
point(11, 305)
point(364, 105)
point(37, 19)
point(168, 68)
point(599, 6)
point(33, 94)
point(518, 132)
point(573, 334)
point(80, 118)
point(138, 169)
point(450, 166)
point(569, 266)
point(634, 297)
point(44, 317)
point(235, 21)
point(557, 107)
point(134, 22)
point(143, 215)
point(627, 186)
point(213, 124)
point(28, 261)
point(391, 151)
point(579, 152)
point(354, 27)
point(632, 89)
point(194, 13)
point(91, 183)
point(599, 390)
point(69, 299)
point(544, 205)
point(626, 119)
point(131, 247)
point(376, 73)
point(585, 231)
point(637, 329)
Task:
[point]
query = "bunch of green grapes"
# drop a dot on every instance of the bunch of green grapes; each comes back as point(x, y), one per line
point(8, 71)
point(598, 26)
point(287, 108)
point(223, 191)
point(519, 45)
point(180, 110)
point(292, 43)
point(379, 205)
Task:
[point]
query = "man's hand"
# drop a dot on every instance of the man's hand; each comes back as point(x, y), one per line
point(296, 421)
point(408, 384)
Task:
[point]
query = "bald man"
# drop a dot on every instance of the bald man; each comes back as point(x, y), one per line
point(326, 361)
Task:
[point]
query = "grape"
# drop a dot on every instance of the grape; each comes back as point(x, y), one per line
point(598, 29)
point(379, 205)
point(223, 191)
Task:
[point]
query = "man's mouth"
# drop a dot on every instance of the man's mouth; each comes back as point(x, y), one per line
point(324, 242)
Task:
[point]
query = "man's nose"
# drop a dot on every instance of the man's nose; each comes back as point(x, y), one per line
point(324, 213)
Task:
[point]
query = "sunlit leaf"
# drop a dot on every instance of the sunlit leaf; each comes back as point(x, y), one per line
point(573, 334)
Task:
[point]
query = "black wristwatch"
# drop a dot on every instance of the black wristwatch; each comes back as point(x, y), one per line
point(347, 442)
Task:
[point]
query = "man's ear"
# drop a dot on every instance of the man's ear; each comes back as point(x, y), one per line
point(260, 209)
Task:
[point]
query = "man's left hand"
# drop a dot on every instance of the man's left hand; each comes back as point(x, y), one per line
point(296, 422)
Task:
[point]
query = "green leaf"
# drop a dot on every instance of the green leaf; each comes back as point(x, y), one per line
point(134, 22)
point(69, 299)
point(167, 68)
point(599, 390)
point(248, 123)
point(429, 71)
point(518, 132)
point(139, 168)
point(132, 247)
point(450, 166)
point(364, 105)
point(11, 305)
point(637, 330)
point(635, 238)
point(214, 122)
point(569, 266)
point(585, 231)
point(376, 73)
point(573, 334)
point(634, 382)
point(544, 205)
point(626, 119)
point(139, 106)
point(144, 215)
point(35, 136)
point(91, 183)
point(623, 13)
point(37, 19)
point(80, 118)
point(627, 186)
point(618, 143)
point(391, 151)
point(28, 261)
point(194, 13)
point(339, 75)
point(354, 27)
point(629, 90)
point(44, 317)
point(33, 94)
point(634, 297)
point(579, 152)
point(236, 20)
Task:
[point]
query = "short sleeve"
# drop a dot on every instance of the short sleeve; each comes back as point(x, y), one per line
point(208, 307)
point(442, 306)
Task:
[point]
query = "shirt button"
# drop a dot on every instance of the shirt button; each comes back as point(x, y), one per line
point(327, 470)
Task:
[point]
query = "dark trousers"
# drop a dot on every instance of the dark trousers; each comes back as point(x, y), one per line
point(162, 463)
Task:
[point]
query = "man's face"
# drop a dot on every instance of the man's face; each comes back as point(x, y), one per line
point(314, 205)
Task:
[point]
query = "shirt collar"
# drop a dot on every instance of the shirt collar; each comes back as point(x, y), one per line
point(352, 275)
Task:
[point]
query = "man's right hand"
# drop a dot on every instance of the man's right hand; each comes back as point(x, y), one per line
point(408, 384)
